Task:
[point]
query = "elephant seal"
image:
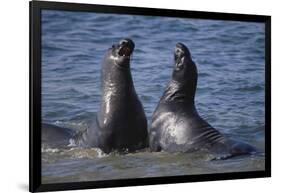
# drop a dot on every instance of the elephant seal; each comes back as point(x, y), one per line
point(176, 125)
point(120, 124)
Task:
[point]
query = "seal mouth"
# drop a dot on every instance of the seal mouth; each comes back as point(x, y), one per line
point(126, 47)
point(124, 51)
point(181, 51)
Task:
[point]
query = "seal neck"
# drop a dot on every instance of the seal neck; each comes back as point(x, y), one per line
point(179, 92)
point(116, 80)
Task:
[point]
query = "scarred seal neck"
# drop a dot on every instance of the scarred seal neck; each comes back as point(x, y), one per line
point(180, 93)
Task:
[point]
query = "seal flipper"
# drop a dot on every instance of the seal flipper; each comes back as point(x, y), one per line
point(241, 148)
point(237, 148)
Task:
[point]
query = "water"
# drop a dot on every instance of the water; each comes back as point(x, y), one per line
point(230, 94)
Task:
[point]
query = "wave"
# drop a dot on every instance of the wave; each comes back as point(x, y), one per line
point(74, 152)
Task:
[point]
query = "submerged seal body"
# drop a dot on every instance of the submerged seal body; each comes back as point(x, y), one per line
point(120, 124)
point(56, 137)
point(176, 125)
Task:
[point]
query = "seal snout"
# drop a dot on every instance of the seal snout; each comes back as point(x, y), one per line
point(126, 47)
point(181, 45)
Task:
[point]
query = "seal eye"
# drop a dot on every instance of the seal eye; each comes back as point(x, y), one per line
point(178, 51)
point(123, 42)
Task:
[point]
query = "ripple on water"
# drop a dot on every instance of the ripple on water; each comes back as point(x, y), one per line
point(98, 166)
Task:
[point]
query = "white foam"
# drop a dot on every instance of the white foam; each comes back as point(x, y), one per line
point(49, 150)
point(71, 143)
point(100, 153)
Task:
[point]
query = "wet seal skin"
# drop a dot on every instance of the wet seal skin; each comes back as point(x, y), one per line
point(176, 125)
point(120, 124)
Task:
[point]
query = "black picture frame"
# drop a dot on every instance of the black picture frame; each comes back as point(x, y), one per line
point(35, 8)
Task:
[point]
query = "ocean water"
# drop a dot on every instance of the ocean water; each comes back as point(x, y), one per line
point(230, 58)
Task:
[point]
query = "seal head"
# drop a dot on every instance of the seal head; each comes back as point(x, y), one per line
point(121, 52)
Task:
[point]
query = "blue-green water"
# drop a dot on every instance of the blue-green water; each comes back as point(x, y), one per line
point(230, 94)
